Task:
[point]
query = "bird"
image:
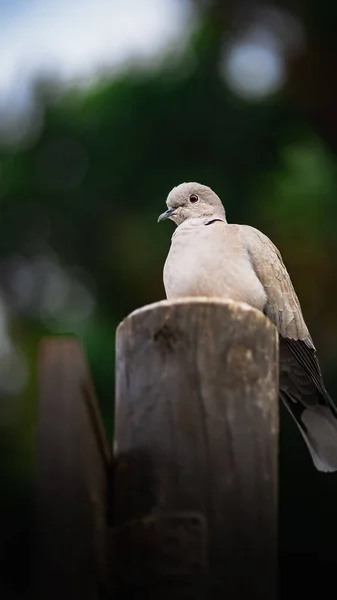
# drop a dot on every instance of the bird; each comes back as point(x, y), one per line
point(210, 257)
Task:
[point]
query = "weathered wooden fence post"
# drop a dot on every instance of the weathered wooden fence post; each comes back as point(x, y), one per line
point(195, 505)
point(72, 478)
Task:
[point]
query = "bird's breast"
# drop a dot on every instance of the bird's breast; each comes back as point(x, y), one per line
point(204, 261)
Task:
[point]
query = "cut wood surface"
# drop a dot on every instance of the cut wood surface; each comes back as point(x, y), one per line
point(73, 461)
point(195, 486)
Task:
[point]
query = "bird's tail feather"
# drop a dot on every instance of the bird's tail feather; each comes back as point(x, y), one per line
point(319, 429)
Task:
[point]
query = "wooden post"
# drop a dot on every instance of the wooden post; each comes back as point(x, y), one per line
point(195, 505)
point(73, 462)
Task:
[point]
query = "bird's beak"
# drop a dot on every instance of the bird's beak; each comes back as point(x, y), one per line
point(166, 214)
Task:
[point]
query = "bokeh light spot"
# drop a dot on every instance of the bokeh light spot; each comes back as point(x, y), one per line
point(254, 71)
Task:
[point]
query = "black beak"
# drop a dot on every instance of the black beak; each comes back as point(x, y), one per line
point(165, 215)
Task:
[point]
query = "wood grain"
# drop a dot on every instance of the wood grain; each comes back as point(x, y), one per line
point(196, 433)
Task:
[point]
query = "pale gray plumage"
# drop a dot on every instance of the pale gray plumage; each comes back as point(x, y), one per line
point(209, 257)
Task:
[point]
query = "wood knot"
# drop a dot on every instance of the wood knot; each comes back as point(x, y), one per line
point(167, 337)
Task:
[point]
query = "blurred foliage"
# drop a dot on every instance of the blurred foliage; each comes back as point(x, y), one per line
point(89, 189)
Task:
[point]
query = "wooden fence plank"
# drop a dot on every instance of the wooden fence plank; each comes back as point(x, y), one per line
point(73, 462)
point(195, 485)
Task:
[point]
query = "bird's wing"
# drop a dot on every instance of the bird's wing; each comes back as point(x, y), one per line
point(283, 307)
point(301, 384)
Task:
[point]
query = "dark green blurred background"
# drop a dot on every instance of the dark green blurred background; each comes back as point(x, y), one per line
point(246, 103)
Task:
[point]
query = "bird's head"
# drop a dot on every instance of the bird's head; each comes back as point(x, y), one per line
point(192, 201)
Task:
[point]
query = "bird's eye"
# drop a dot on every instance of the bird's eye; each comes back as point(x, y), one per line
point(193, 198)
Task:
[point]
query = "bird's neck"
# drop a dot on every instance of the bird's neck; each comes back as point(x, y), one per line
point(202, 221)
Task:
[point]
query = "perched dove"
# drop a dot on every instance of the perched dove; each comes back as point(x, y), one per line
point(209, 257)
